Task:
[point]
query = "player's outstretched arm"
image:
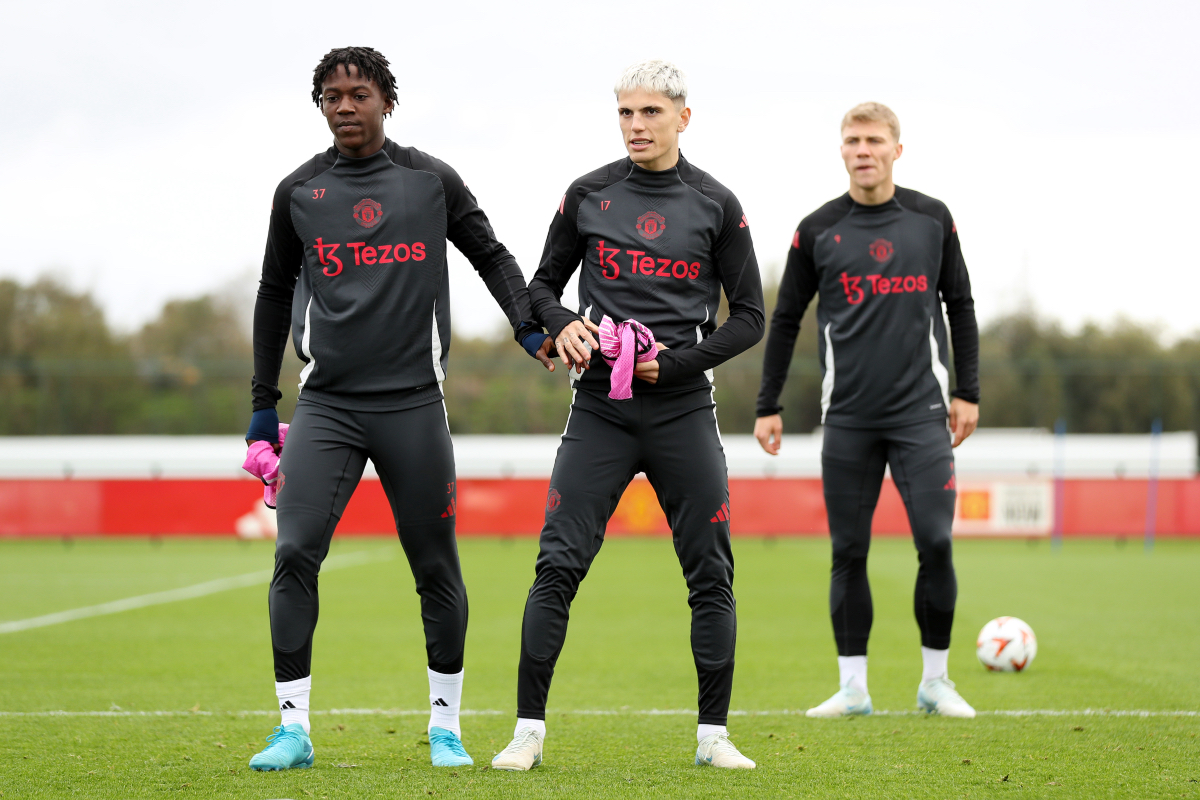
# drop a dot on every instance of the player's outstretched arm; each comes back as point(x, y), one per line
point(468, 229)
point(796, 291)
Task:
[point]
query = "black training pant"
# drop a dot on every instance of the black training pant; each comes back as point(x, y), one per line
point(673, 438)
point(852, 465)
point(323, 459)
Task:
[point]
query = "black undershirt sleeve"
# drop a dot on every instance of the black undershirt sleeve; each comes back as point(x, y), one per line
point(273, 308)
point(468, 229)
point(561, 256)
point(737, 267)
point(955, 287)
point(796, 291)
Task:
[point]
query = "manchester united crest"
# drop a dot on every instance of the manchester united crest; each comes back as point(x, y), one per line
point(651, 225)
point(881, 250)
point(368, 213)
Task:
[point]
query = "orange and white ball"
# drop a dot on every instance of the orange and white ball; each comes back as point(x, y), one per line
point(1006, 644)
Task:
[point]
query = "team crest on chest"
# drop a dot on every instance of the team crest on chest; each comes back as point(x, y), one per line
point(651, 225)
point(368, 213)
point(881, 250)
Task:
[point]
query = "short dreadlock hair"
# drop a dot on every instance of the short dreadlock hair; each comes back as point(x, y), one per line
point(371, 65)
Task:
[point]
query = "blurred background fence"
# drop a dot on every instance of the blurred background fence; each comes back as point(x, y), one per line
point(64, 369)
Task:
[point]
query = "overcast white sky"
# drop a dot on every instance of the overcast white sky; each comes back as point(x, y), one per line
point(142, 141)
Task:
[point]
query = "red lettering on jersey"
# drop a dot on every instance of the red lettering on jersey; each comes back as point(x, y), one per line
point(385, 251)
point(320, 247)
point(355, 246)
point(896, 284)
point(922, 283)
point(694, 272)
point(604, 204)
point(646, 265)
point(853, 287)
point(418, 251)
point(368, 255)
point(675, 269)
point(407, 252)
point(910, 283)
point(606, 260)
point(664, 266)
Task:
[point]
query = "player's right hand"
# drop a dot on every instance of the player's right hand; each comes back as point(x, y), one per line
point(570, 344)
point(769, 432)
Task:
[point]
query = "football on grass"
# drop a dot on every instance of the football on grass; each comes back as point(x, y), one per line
point(1006, 644)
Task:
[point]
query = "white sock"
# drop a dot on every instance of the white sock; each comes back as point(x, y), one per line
point(293, 701)
point(538, 725)
point(445, 697)
point(852, 672)
point(934, 663)
point(703, 731)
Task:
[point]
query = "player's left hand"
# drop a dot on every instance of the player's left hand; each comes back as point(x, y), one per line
point(964, 418)
point(648, 370)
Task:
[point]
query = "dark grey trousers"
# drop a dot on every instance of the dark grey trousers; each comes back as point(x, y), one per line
point(323, 459)
point(673, 438)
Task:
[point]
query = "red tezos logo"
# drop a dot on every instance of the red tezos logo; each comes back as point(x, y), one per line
point(368, 213)
point(651, 225)
point(553, 499)
point(881, 250)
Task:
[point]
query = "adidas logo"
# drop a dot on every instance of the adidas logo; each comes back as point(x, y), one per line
point(287, 704)
point(449, 512)
point(722, 514)
point(441, 702)
point(950, 485)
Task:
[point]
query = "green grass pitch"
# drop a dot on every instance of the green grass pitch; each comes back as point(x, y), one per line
point(1117, 630)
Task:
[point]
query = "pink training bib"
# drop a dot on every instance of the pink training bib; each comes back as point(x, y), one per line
point(623, 346)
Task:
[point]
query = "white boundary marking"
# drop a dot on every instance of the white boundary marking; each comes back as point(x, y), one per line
point(183, 593)
point(652, 712)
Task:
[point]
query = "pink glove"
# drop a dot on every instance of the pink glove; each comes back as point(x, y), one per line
point(263, 463)
point(624, 345)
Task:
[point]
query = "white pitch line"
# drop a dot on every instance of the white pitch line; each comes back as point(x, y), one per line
point(652, 712)
point(182, 593)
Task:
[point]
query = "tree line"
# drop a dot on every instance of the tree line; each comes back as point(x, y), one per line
point(64, 370)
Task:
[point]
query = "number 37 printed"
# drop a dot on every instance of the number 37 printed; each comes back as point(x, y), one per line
point(318, 194)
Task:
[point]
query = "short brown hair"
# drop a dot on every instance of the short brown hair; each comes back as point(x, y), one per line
point(873, 112)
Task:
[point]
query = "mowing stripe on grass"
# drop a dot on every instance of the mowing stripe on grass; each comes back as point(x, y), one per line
point(651, 712)
point(184, 592)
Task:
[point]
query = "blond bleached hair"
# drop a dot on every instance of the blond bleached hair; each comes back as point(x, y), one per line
point(655, 75)
point(873, 112)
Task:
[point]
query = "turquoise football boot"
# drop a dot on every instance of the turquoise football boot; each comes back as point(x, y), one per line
point(288, 748)
point(446, 749)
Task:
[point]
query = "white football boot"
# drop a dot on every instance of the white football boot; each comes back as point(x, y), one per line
point(716, 750)
point(524, 752)
point(848, 702)
point(938, 696)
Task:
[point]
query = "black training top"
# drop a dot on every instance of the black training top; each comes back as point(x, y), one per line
point(879, 271)
point(370, 313)
point(657, 247)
